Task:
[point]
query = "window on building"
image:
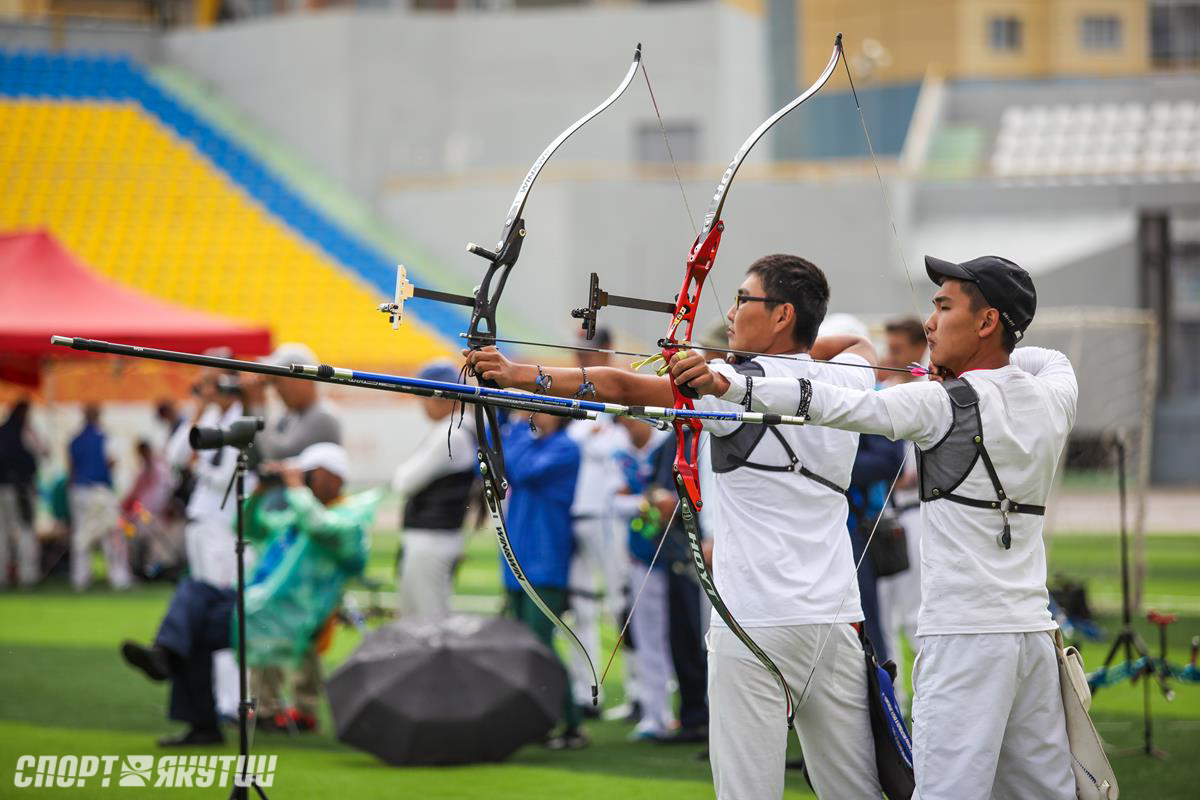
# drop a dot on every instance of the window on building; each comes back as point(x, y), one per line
point(1100, 32)
point(1004, 34)
point(683, 136)
point(1175, 33)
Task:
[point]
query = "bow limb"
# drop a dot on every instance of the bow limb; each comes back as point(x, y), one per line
point(699, 263)
point(482, 331)
point(918, 371)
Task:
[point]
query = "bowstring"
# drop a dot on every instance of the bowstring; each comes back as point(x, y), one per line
point(916, 307)
point(679, 181)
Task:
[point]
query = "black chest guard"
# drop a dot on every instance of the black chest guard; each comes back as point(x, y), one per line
point(731, 452)
point(943, 467)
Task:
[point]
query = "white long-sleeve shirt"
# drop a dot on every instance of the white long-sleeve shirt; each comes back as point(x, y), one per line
point(781, 551)
point(969, 584)
point(212, 479)
point(430, 459)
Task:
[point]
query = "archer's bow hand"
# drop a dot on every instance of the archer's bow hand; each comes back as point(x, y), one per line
point(689, 368)
point(488, 363)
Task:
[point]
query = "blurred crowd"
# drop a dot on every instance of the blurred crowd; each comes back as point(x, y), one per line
point(591, 511)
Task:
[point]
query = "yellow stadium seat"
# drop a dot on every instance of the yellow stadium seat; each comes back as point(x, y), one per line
point(142, 206)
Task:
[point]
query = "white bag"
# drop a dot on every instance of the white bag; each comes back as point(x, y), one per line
point(1094, 778)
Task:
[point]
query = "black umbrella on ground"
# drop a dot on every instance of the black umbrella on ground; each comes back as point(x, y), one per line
point(465, 690)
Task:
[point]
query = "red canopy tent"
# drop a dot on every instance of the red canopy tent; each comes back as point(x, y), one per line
point(45, 290)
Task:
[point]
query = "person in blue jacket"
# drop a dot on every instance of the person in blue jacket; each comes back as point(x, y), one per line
point(542, 463)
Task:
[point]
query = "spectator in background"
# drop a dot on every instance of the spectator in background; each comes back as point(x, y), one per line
point(209, 538)
point(543, 468)
point(143, 513)
point(167, 414)
point(183, 481)
point(310, 548)
point(649, 622)
point(19, 451)
point(875, 467)
point(209, 535)
point(900, 594)
point(94, 507)
point(151, 488)
point(688, 607)
point(307, 420)
point(599, 566)
point(435, 483)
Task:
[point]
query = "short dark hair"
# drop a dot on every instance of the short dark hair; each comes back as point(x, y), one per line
point(795, 280)
point(977, 302)
point(910, 327)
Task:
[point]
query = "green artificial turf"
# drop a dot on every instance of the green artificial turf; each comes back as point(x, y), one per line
point(65, 691)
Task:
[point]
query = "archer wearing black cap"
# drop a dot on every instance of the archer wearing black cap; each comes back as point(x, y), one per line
point(982, 311)
point(989, 428)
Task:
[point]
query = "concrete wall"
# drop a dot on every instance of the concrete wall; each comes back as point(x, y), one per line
point(380, 97)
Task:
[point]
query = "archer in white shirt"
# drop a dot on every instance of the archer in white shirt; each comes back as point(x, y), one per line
point(776, 508)
point(987, 716)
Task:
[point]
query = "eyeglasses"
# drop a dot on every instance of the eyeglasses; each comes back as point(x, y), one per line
point(740, 298)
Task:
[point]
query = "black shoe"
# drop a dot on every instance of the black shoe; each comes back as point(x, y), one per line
point(193, 737)
point(693, 734)
point(569, 739)
point(150, 660)
point(589, 711)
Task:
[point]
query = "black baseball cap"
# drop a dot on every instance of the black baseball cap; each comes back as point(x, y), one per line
point(1005, 286)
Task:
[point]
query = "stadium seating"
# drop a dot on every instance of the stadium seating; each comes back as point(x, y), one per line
point(151, 195)
point(1155, 141)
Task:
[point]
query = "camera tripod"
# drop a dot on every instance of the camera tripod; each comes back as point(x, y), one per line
point(1129, 639)
point(246, 704)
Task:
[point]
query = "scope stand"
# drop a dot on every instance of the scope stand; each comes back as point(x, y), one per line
point(246, 704)
point(1129, 639)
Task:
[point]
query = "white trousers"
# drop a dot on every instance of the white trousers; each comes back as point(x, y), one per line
point(652, 649)
point(94, 512)
point(226, 681)
point(211, 546)
point(748, 736)
point(17, 537)
point(425, 582)
point(598, 553)
point(900, 600)
point(988, 719)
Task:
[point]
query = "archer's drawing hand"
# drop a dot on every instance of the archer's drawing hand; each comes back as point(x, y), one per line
point(939, 374)
point(689, 368)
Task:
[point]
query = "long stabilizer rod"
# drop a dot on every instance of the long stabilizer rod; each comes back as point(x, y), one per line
point(548, 404)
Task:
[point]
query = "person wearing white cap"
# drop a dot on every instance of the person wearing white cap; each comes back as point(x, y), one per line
point(307, 419)
point(308, 549)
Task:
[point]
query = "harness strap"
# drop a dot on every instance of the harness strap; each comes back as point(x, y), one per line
point(963, 395)
point(794, 465)
point(994, 505)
